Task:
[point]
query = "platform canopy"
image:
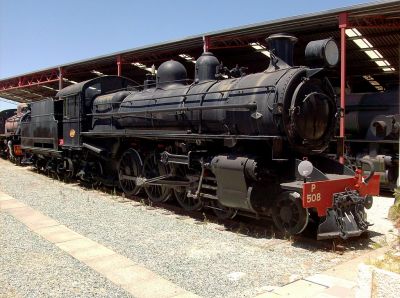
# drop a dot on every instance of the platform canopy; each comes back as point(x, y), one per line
point(373, 34)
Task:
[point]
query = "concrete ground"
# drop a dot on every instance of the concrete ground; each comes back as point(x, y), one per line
point(63, 240)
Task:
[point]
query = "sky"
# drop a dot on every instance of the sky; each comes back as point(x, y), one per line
point(40, 34)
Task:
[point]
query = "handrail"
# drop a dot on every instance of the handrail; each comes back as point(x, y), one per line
point(249, 106)
point(269, 89)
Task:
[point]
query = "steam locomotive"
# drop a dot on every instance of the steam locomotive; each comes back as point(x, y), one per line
point(372, 132)
point(10, 141)
point(236, 143)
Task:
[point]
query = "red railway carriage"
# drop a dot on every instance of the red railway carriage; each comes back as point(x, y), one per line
point(10, 146)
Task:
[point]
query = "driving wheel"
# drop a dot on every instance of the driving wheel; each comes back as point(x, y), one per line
point(187, 203)
point(153, 167)
point(129, 169)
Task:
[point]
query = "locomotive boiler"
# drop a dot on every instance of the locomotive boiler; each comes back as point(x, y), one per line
point(246, 144)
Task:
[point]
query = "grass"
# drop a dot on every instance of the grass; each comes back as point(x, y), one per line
point(394, 212)
point(376, 245)
point(389, 261)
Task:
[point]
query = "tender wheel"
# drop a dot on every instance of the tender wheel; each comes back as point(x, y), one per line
point(152, 168)
point(223, 212)
point(17, 160)
point(288, 213)
point(40, 164)
point(188, 204)
point(129, 169)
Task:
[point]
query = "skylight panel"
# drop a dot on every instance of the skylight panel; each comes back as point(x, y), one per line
point(260, 48)
point(188, 58)
point(372, 53)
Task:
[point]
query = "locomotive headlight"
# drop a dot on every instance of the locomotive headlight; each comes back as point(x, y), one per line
point(320, 53)
point(305, 168)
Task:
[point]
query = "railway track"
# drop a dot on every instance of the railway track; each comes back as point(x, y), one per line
point(242, 225)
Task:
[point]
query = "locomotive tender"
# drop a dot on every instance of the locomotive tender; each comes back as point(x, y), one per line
point(249, 144)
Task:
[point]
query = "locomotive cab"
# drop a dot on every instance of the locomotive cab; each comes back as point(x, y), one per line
point(78, 100)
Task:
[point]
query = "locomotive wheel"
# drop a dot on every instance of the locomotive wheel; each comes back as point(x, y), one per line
point(49, 170)
point(129, 169)
point(288, 213)
point(17, 160)
point(223, 212)
point(95, 173)
point(40, 165)
point(152, 168)
point(66, 167)
point(188, 204)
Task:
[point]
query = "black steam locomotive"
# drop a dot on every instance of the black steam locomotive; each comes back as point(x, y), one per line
point(373, 131)
point(235, 143)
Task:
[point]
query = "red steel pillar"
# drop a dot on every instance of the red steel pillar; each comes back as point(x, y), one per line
point(60, 78)
point(119, 65)
point(398, 176)
point(343, 19)
point(206, 43)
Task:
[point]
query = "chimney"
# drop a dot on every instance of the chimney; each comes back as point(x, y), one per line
point(281, 45)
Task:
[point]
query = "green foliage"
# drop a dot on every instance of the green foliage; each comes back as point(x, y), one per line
point(397, 195)
point(394, 212)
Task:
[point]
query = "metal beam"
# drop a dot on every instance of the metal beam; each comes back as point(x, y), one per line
point(398, 152)
point(373, 35)
point(374, 21)
point(119, 65)
point(206, 43)
point(29, 81)
point(343, 19)
point(60, 78)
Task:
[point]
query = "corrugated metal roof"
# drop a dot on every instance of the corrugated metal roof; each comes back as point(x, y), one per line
point(231, 46)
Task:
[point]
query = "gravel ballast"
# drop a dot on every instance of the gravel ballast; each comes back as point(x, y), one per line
point(200, 257)
point(32, 267)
